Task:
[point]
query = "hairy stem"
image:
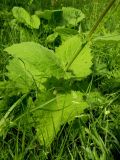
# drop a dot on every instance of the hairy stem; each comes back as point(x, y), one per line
point(95, 26)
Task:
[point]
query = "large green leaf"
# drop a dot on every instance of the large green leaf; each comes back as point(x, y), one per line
point(72, 16)
point(31, 62)
point(82, 64)
point(20, 73)
point(52, 113)
point(23, 16)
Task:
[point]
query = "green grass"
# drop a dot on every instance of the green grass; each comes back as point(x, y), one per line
point(94, 135)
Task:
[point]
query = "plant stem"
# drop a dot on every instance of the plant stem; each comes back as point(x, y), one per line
point(100, 18)
point(95, 26)
point(2, 121)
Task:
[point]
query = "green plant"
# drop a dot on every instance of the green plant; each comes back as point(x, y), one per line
point(61, 104)
point(22, 16)
point(29, 61)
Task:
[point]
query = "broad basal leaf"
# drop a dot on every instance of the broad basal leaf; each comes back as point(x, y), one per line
point(55, 112)
point(82, 64)
point(31, 63)
point(23, 16)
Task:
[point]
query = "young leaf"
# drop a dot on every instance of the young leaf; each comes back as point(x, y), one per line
point(82, 64)
point(23, 16)
point(34, 22)
point(52, 37)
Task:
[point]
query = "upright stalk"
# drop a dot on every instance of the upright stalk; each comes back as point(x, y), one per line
point(95, 26)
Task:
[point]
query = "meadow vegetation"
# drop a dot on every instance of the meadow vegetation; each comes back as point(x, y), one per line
point(59, 80)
